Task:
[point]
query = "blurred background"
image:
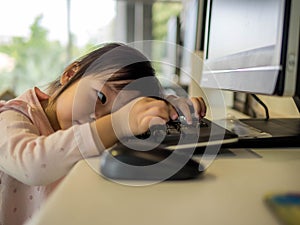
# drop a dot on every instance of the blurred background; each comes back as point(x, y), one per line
point(38, 39)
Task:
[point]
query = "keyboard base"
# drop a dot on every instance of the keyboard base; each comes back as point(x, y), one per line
point(277, 132)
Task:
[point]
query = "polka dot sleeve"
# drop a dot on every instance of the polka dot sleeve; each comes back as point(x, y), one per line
point(35, 159)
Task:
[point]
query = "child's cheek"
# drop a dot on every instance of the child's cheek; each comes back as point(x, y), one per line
point(64, 110)
point(84, 102)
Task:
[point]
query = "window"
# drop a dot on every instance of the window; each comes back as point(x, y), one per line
point(39, 38)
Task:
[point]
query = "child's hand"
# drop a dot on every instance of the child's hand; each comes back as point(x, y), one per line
point(184, 105)
point(140, 114)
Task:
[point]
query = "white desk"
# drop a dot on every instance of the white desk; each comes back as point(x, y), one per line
point(230, 192)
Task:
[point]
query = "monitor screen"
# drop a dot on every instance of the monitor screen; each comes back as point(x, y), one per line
point(252, 46)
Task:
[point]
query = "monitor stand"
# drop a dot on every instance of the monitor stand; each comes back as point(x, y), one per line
point(274, 132)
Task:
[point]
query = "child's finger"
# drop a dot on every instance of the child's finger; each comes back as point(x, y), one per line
point(199, 106)
point(172, 112)
point(185, 109)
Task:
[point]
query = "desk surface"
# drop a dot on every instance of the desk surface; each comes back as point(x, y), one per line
point(230, 192)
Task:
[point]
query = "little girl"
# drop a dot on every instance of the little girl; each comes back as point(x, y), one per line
point(94, 103)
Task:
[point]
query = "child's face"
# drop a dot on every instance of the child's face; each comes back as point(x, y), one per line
point(79, 103)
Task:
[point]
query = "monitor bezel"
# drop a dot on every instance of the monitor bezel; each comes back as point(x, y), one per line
point(281, 80)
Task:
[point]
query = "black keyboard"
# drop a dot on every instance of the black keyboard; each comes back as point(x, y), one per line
point(173, 129)
point(177, 134)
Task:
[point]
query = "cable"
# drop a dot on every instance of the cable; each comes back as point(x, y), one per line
point(263, 105)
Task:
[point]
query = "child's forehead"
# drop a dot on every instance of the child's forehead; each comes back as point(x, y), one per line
point(93, 81)
point(97, 83)
point(146, 85)
point(129, 93)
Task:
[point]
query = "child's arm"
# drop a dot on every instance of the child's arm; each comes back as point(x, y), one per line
point(34, 159)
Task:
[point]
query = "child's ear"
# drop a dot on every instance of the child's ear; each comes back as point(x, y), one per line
point(69, 73)
point(66, 77)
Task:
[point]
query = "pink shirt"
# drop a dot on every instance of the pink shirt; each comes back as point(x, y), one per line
point(34, 158)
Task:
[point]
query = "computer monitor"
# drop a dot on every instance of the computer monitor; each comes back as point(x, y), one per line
point(253, 46)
